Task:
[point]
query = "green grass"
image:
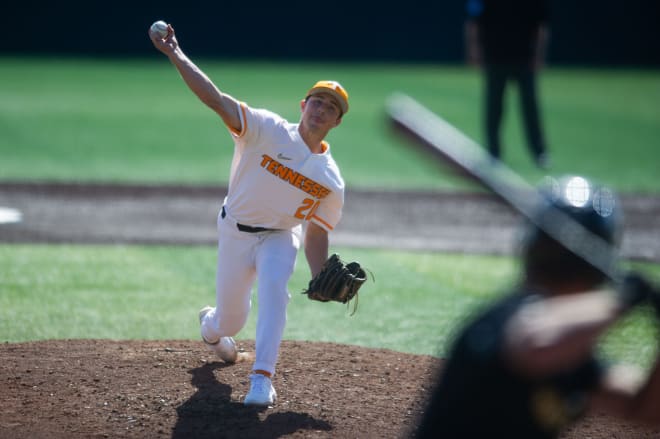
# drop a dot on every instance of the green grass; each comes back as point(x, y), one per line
point(136, 292)
point(135, 121)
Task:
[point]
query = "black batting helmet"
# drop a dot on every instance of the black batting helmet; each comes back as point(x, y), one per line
point(594, 207)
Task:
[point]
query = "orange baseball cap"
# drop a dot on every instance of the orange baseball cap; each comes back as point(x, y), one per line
point(333, 88)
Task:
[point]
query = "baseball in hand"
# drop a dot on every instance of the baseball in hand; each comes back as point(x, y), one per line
point(159, 28)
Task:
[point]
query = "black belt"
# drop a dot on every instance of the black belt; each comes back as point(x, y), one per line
point(243, 227)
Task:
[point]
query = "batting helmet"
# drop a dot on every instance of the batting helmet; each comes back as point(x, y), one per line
point(595, 207)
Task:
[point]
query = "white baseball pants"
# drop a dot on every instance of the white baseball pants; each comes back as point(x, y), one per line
point(267, 257)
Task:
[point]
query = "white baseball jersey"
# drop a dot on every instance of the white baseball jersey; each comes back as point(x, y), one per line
point(276, 181)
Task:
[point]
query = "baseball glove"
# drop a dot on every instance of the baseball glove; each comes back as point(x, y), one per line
point(337, 281)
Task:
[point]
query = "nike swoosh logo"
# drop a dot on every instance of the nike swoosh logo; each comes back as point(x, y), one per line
point(283, 157)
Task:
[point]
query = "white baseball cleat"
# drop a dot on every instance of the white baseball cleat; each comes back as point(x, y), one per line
point(225, 347)
point(262, 393)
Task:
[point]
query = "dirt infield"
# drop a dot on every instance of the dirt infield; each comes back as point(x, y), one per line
point(68, 389)
point(137, 389)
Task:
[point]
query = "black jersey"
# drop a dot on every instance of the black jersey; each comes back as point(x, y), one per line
point(477, 395)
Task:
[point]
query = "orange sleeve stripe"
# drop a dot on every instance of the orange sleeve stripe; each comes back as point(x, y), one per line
point(322, 222)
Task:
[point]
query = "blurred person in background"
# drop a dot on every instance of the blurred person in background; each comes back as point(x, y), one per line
point(526, 365)
point(508, 39)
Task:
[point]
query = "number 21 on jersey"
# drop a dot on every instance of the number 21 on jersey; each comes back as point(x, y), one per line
point(307, 209)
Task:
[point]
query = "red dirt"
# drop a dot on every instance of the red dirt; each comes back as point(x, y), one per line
point(91, 388)
point(136, 389)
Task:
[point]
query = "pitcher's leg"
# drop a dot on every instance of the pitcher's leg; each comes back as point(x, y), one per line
point(235, 276)
point(275, 263)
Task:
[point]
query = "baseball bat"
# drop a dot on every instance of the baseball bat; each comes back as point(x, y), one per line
point(450, 146)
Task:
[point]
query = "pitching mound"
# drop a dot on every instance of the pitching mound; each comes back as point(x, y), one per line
point(157, 389)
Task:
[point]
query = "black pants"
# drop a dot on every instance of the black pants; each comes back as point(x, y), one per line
point(497, 77)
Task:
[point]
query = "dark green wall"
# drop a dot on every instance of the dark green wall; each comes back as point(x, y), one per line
point(584, 32)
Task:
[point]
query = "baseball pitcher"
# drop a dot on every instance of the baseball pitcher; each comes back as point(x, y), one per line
point(283, 180)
